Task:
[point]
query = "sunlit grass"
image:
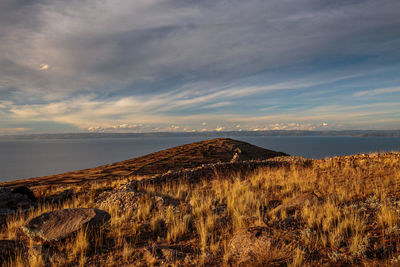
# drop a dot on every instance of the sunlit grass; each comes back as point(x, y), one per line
point(359, 205)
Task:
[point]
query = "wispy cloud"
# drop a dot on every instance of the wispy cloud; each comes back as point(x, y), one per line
point(379, 91)
point(160, 62)
point(218, 105)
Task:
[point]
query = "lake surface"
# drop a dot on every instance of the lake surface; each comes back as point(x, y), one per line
point(32, 158)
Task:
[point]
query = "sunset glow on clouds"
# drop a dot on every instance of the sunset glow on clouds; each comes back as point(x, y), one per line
point(159, 65)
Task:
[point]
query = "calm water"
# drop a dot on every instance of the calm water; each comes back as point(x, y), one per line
point(32, 158)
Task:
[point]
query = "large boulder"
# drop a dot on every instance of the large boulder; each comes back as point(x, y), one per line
point(58, 224)
point(257, 246)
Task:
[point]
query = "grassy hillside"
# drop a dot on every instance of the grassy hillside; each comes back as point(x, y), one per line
point(336, 211)
point(172, 159)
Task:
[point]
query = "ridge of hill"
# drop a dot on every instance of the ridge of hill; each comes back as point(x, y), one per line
point(172, 159)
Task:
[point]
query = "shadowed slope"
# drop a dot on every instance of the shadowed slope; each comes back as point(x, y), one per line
point(174, 159)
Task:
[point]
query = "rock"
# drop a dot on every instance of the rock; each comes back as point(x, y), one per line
point(60, 197)
point(18, 198)
point(127, 198)
point(9, 249)
point(23, 190)
point(307, 199)
point(58, 224)
point(256, 246)
point(123, 199)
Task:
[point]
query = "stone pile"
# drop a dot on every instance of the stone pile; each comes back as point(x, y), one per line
point(209, 171)
point(126, 197)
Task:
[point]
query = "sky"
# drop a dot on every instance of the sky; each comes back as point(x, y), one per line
point(198, 65)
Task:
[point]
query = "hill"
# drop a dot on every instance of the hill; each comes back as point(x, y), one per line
point(338, 211)
point(172, 159)
point(282, 211)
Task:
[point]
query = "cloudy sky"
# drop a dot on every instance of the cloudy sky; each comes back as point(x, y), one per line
point(194, 65)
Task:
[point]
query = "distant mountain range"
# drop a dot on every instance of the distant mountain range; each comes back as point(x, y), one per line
point(352, 133)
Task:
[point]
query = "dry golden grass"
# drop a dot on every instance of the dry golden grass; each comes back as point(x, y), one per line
point(177, 226)
point(356, 221)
